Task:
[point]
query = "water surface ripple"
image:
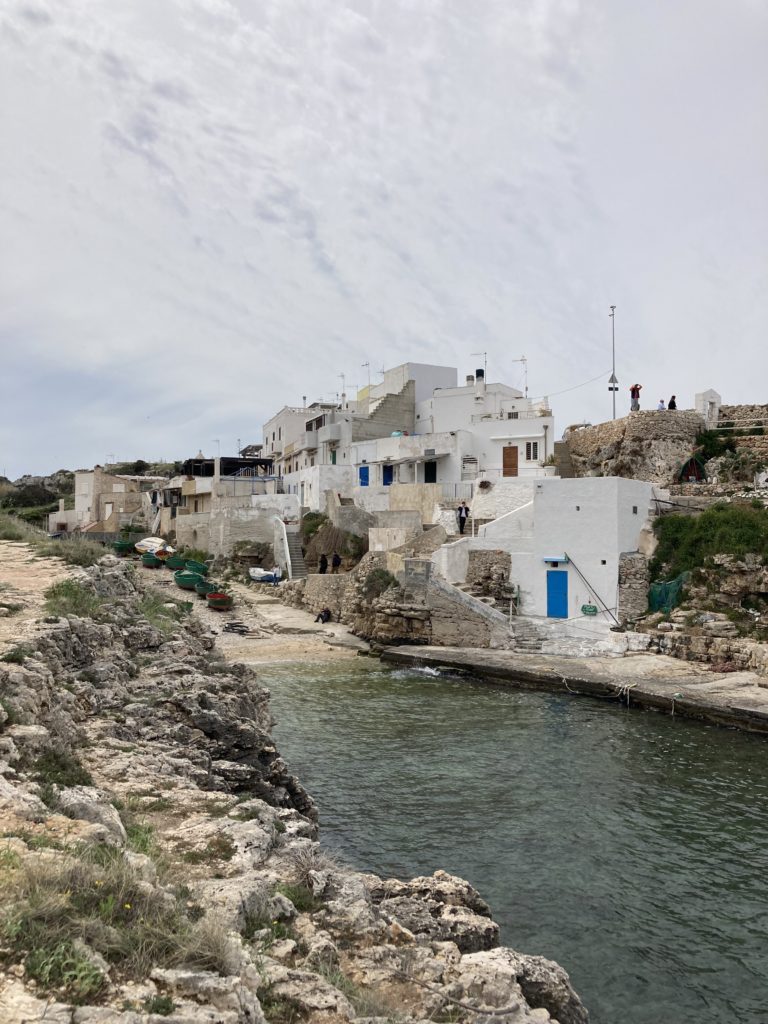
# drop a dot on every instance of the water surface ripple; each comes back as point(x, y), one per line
point(631, 847)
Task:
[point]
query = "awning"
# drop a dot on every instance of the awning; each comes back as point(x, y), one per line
point(555, 558)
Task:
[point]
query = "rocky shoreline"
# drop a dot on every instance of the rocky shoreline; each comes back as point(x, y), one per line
point(159, 861)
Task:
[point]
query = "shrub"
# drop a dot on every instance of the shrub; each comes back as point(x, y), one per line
point(154, 608)
point(74, 550)
point(10, 530)
point(686, 542)
point(310, 524)
point(302, 897)
point(376, 582)
point(16, 655)
point(68, 597)
point(712, 444)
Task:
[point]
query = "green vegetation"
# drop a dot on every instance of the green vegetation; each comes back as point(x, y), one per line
point(57, 911)
point(687, 542)
point(376, 582)
point(712, 444)
point(161, 1005)
point(9, 530)
point(220, 847)
point(162, 611)
point(68, 597)
point(16, 656)
point(58, 768)
point(301, 896)
point(310, 524)
point(74, 550)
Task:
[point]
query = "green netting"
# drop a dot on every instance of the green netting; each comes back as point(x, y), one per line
point(663, 597)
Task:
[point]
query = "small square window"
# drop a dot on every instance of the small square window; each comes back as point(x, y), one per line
point(603, 562)
point(578, 508)
point(634, 510)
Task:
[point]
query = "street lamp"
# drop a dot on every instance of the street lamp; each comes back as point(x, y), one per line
point(613, 384)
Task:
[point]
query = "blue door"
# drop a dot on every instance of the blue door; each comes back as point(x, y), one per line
point(387, 472)
point(363, 475)
point(557, 594)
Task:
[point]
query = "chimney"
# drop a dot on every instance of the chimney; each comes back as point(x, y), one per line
point(470, 379)
point(480, 385)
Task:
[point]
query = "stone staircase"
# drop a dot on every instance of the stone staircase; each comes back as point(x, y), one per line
point(563, 463)
point(467, 588)
point(528, 634)
point(298, 568)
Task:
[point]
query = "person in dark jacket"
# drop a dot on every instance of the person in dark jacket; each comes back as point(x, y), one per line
point(672, 403)
point(322, 567)
point(335, 562)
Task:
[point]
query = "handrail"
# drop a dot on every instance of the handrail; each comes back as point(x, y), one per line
point(288, 567)
point(592, 589)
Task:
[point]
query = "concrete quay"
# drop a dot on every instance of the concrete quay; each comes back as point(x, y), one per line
point(737, 699)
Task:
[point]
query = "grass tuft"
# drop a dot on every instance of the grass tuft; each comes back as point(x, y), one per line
point(68, 597)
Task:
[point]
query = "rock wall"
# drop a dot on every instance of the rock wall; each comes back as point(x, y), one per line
point(185, 784)
point(634, 580)
point(488, 573)
point(644, 445)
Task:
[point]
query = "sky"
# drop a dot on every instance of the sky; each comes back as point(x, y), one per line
point(210, 208)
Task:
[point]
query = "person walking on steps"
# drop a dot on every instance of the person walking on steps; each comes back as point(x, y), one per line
point(672, 404)
point(322, 566)
point(335, 563)
point(634, 396)
point(463, 515)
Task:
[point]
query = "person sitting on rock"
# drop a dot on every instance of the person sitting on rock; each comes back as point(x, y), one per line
point(324, 615)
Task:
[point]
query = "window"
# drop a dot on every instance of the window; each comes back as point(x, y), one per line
point(513, 415)
point(634, 510)
point(531, 451)
point(279, 433)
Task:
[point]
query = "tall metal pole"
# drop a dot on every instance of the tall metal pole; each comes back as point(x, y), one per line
point(614, 382)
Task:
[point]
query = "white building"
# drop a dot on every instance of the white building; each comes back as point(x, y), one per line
point(566, 543)
point(416, 427)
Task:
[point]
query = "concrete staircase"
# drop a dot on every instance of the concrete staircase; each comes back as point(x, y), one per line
point(563, 463)
point(298, 568)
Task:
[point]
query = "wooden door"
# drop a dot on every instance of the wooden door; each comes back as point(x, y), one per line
point(509, 465)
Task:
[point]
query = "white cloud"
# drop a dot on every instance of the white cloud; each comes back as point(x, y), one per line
point(218, 206)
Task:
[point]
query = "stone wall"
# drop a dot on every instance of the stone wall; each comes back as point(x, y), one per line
point(488, 573)
point(720, 652)
point(634, 580)
point(644, 445)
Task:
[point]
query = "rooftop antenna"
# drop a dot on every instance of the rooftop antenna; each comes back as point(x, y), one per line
point(485, 362)
point(368, 368)
point(382, 371)
point(613, 384)
point(524, 361)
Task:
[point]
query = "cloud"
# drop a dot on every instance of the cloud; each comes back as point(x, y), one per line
point(222, 206)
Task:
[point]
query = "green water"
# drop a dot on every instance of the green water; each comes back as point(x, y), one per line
point(631, 847)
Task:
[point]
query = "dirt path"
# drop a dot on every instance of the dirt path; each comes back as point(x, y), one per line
point(269, 631)
point(23, 580)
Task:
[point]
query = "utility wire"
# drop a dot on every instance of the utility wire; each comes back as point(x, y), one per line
point(553, 394)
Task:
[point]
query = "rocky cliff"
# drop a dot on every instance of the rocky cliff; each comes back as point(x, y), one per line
point(160, 862)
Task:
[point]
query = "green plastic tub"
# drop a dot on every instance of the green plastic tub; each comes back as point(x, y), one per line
point(199, 567)
point(176, 562)
point(123, 548)
point(150, 560)
point(187, 580)
point(218, 601)
point(205, 587)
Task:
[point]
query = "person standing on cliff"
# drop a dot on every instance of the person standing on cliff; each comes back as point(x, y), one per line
point(335, 563)
point(634, 395)
point(463, 515)
point(322, 567)
point(672, 404)
point(661, 407)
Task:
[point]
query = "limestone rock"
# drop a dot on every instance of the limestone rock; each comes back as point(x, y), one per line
point(92, 805)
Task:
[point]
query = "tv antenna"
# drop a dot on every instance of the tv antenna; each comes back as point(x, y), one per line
point(485, 361)
point(524, 361)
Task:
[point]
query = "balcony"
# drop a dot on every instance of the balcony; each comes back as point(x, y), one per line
point(331, 432)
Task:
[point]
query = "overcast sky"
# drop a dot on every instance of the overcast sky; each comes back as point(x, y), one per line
point(209, 208)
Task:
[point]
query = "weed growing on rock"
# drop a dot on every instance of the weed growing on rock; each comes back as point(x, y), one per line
point(59, 913)
point(301, 896)
point(376, 582)
point(220, 847)
point(162, 611)
point(60, 768)
point(16, 655)
point(74, 550)
point(162, 1005)
point(68, 597)
point(365, 1002)
point(308, 858)
point(141, 837)
point(11, 714)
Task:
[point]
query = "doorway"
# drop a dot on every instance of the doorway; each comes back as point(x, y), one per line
point(557, 594)
point(509, 463)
